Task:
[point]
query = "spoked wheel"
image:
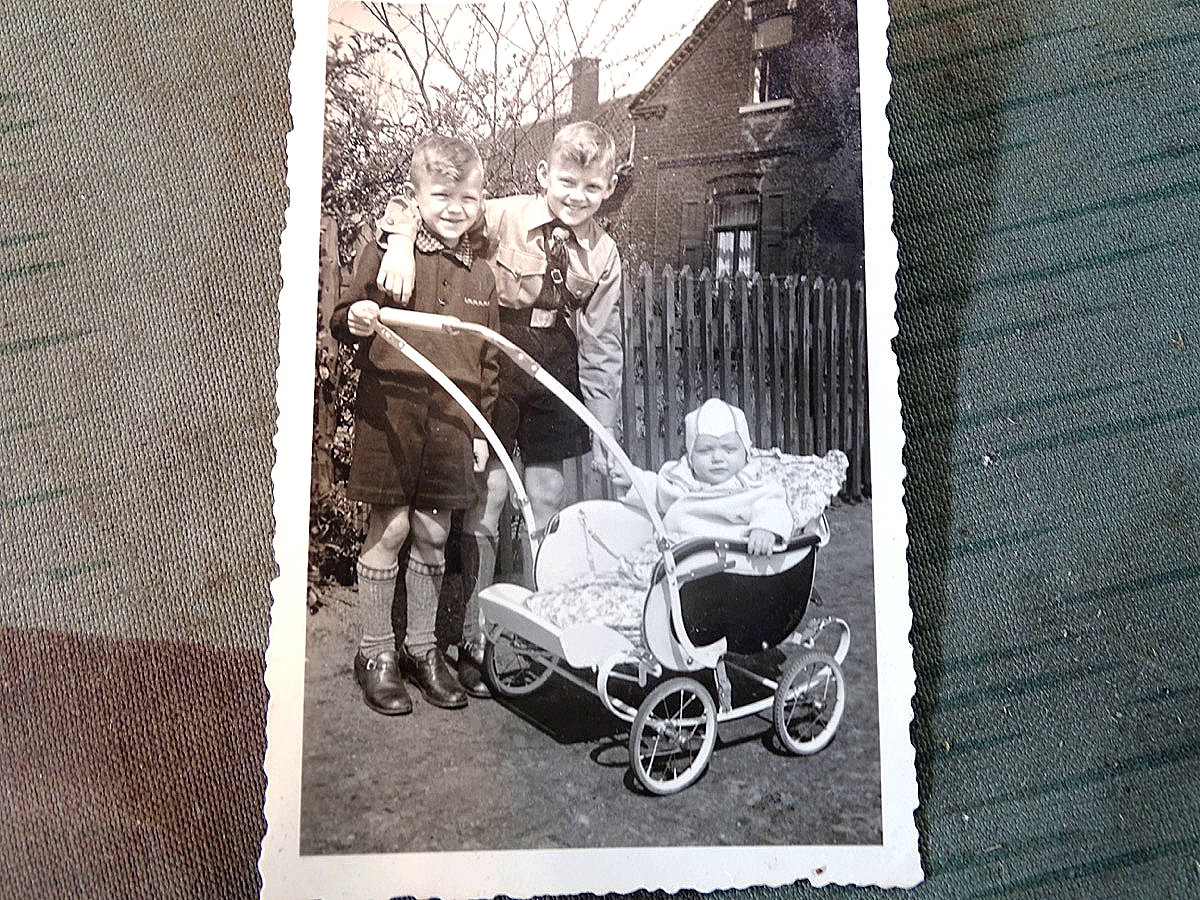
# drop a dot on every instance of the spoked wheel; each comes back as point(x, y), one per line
point(809, 703)
point(511, 666)
point(673, 735)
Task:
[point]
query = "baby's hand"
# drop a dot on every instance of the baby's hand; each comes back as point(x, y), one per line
point(480, 448)
point(398, 269)
point(761, 542)
point(361, 318)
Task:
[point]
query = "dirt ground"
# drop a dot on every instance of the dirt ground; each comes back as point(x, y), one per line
point(552, 770)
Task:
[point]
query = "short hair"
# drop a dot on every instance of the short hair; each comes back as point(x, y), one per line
point(442, 156)
point(585, 144)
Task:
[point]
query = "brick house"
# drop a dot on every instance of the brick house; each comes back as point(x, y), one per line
point(742, 153)
point(747, 153)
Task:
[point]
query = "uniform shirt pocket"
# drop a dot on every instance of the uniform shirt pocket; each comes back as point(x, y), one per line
point(581, 288)
point(518, 273)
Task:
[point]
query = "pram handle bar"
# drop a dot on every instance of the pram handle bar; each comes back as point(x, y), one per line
point(450, 325)
point(393, 317)
point(411, 353)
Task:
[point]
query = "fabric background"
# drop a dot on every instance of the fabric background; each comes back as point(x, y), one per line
point(1046, 195)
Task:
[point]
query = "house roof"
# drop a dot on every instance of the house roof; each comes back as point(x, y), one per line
point(682, 52)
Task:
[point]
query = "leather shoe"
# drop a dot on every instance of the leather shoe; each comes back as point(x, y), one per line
point(470, 675)
point(433, 677)
point(383, 688)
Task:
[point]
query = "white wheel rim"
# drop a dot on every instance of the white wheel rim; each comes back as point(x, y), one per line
point(514, 672)
point(674, 736)
point(810, 704)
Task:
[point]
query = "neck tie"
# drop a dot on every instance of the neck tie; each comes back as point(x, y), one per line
point(554, 292)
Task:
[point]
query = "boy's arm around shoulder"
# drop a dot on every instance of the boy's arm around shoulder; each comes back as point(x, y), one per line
point(399, 217)
point(362, 281)
point(601, 356)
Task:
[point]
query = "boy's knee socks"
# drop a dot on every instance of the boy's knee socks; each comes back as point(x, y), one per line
point(424, 585)
point(376, 589)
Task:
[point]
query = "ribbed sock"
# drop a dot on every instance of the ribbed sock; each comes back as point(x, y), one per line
point(424, 585)
point(376, 588)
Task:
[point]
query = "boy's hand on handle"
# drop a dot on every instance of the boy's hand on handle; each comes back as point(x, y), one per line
point(361, 318)
point(619, 479)
point(480, 448)
point(761, 542)
point(398, 269)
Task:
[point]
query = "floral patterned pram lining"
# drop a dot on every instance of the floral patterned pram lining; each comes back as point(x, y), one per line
point(616, 598)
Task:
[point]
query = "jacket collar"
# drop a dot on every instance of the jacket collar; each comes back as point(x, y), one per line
point(428, 242)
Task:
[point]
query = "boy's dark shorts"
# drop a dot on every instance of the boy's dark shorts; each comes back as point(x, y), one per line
point(412, 446)
point(526, 414)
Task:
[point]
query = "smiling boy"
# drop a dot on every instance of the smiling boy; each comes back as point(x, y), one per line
point(558, 282)
point(415, 450)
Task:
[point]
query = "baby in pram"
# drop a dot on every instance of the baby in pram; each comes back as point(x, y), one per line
point(715, 489)
point(722, 489)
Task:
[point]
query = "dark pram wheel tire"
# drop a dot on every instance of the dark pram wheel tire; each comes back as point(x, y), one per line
point(673, 735)
point(509, 670)
point(809, 703)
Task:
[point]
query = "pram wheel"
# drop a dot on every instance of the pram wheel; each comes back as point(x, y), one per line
point(512, 667)
point(673, 735)
point(809, 703)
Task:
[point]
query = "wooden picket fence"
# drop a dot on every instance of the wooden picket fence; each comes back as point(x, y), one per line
point(791, 352)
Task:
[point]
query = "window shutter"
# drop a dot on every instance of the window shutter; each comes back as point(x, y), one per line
point(691, 234)
point(774, 232)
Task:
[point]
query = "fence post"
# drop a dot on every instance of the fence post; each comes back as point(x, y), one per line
point(725, 297)
point(670, 366)
point(854, 331)
point(629, 380)
point(778, 354)
point(794, 371)
point(707, 324)
point(808, 354)
point(836, 352)
point(820, 386)
point(650, 355)
point(687, 307)
point(863, 392)
point(849, 359)
point(764, 355)
point(745, 346)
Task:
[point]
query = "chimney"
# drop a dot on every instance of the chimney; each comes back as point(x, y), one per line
point(760, 10)
point(585, 87)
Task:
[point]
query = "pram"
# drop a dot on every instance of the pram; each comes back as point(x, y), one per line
point(716, 622)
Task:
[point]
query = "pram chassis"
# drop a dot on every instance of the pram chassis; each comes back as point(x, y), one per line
point(673, 730)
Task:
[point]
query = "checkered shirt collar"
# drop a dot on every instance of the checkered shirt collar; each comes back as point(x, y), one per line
point(428, 242)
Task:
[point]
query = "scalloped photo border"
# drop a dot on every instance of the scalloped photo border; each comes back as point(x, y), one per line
point(525, 873)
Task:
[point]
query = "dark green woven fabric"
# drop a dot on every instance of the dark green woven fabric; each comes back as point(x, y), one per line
point(1047, 170)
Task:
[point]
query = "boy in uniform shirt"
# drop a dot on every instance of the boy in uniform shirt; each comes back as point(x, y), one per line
point(558, 281)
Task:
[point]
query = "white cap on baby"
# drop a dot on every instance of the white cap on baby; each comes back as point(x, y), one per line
point(715, 417)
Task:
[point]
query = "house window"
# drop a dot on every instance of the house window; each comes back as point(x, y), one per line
point(735, 235)
point(772, 75)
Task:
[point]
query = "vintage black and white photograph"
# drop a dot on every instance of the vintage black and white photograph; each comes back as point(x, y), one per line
point(588, 491)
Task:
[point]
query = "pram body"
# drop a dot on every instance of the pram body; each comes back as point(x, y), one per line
point(712, 615)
